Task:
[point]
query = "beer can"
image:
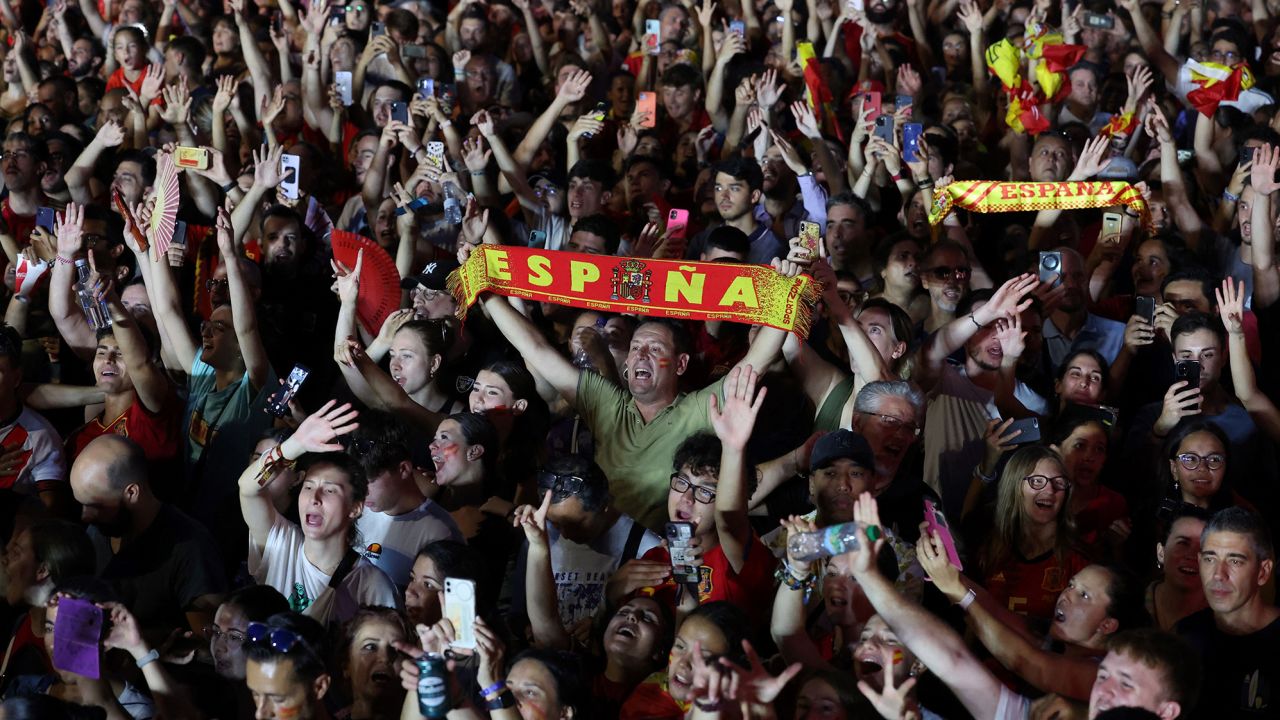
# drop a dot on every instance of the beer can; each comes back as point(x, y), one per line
point(433, 686)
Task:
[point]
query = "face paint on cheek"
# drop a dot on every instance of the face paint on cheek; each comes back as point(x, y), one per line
point(664, 362)
point(287, 713)
point(897, 657)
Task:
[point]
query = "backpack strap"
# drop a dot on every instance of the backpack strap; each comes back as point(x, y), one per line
point(631, 550)
point(344, 568)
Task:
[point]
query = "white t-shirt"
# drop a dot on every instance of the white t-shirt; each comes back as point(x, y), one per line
point(45, 463)
point(283, 566)
point(1012, 706)
point(391, 542)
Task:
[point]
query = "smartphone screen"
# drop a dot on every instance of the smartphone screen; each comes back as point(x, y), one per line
point(1144, 306)
point(278, 403)
point(342, 78)
point(376, 28)
point(648, 103)
point(426, 88)
point(460, 608)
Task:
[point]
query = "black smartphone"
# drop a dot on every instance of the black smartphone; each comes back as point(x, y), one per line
point(1144, 306)
point(179, 233)
point(1030, 428)
point(278, 403)
point(400, 112)
point(678, 536)
point(884, 128)
point(1188, 370)
point(1245, 155)
point(376, 28)
point(45, 218)
point(1051, 267)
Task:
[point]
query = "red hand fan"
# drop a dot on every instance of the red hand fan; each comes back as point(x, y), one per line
point(379, 279)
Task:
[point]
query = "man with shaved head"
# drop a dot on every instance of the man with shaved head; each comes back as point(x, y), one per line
point(162, 563)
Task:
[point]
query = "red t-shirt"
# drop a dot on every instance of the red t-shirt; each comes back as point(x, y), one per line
point(118, 80)
point(652, 701)
point(20, 226)
point(1031, 587)
point(750, 589)
point(1097, 515)
point(156, 433)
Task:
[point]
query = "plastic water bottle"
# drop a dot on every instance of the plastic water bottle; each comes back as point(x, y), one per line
point(834, 540)
point(95, 311)
point(452, 208)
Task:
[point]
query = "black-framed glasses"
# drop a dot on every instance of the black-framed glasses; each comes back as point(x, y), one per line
point(894, 424)
point(681, 484)
point(1038, 482)
point(91, 240)
point(560, 485)
point(235, 638)
point(281, 639)
point(1191, 461)
point(943, 272)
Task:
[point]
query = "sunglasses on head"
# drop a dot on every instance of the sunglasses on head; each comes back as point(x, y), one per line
point(560, 485)
point(281, 639)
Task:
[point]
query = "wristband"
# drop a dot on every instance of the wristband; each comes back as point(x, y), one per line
point(975, 321)
point(924, 184)
point(21, 298)
point(147, 659)
point(478, 173)
point(897, 177)
point(493, 690)
point(64, 261)
point(503, 701)
point(986, 479)
point(1230, 196)
point(230, 186)
point(967, 600)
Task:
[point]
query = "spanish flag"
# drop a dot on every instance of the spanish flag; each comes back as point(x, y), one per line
point(1213, 84)
point(818, 94)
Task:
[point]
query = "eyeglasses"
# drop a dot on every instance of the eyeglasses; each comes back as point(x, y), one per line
point(234, 638)
point(1037, 482)
point(355, 8)
point(281, 639)
point(704, 495)
point(91, 240)
point(1227, 58)
point(894, 424)
point(546, 191)
point(1191, 461)
point(942, 272)
point(854, 298)
point(560, 485)
point(16, 155)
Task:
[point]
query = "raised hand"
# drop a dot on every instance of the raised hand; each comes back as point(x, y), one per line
point(347, 280)
point(574, 88)
point(586, 125)
point(790, 155)
point(891, 702)
point(769, 89)
point(1156, 124)
point(266, 167)
point(152, 82)
point(68, 229)
point(484, 123)
point(111, 134)
point(1011, 336)
point(971, 17)
point(460, 60)
point(797, 525)
point(1266, 162)
point(474, 223)
point(475, 155)
point(1179, 401)
point(734, 420)
point(123, 633)
point(806, 121)
point(533, 521)
point(1092, 159)
point(998, 439)
point(755, 683)
point(227, 86)
point(706, 12)
point(1139, 82)
point(318, 432)
point(491, 652)
point(272, 107)
point(1008, 299)
point(177, 103)
point(1230, 299)
point(867, 514)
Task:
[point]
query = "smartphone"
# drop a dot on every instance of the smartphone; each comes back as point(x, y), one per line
point(884, 128)
point(426, 88)
point(460, 608)
point(937, 522)
point(939, 73)
point(911, 133)
point(677, 223)
point(1184, 156)
point(537, 238)
point(1188, 370)
point(289, 176)
point(342, 78)
point(196, 158)
point(902, 101)
point(739, 28)
point(45, 218)
point(811, 238)
point(1245, 155)
point(871, 100)
point(376, 28)
point(413, 51)
point(653, 33)
point(448, 95)
point(338, 16)
point(400, 112)
point(1051, 267)
point(1144, 306)
point(648, 103)
point(1030, 428)
point(77, 634)
point(678, 536)
point(278, 403)
point(179, 233)
point(1095, 20)
point(1111, 224)
point(435, 154)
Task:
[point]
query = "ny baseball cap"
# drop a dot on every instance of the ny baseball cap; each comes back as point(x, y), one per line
point(433, 276)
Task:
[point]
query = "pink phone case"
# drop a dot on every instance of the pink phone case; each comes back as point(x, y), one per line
point(931, 515)
point(677, 223)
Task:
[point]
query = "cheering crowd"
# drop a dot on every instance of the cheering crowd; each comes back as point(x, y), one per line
point(257, 460)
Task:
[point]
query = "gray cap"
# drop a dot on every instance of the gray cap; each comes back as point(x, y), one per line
point(844, 444)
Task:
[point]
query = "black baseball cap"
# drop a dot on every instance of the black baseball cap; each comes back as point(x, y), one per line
point(842, 444)
point(433, 276)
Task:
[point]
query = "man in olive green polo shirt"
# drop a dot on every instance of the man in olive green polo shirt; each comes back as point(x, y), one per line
point(636, 433)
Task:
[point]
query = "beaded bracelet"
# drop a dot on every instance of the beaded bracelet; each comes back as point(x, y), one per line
point(784, 575)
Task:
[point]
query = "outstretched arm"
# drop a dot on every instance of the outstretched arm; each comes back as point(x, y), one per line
point(1231, 307)
point(533, 347)
point(1007, 301)
point(539, 584)
point(733, 421)
point(149, 382)
point(243, 313)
